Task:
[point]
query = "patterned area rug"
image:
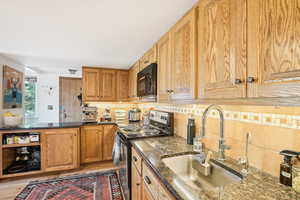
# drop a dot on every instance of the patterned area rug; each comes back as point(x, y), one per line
point(94, 186)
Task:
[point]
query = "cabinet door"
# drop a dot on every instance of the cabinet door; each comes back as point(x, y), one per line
point(123, 85)
point(91, 85)
point(149, 57)
point(184, 62)
point(164, 64)
point(108, 141)
point(91, 144)
point(136, 184)
point(222, 48)
point(134, 70)
point(146, 195)
point(274, 48)
point(60, 149)
point(108, 83)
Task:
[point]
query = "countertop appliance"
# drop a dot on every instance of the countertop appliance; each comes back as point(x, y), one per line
point(161, 124)
point(89, 114)
point(134, 115)
point(147, 81)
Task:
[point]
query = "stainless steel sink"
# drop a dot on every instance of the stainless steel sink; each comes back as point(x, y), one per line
point(187, 168)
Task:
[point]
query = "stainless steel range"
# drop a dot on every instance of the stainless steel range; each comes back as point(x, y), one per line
point(161, 124)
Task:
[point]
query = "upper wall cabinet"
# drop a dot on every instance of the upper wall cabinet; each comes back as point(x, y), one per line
point(108, 90)
point(164, 67)
point(103, 84)
point(122, 85)
point(184, 59)
point(149, 57)
point(274, 48)
point(134, 70)
point(222, 48)
point(91, 85)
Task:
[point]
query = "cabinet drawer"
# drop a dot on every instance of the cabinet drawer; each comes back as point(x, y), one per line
point(137, 161)
point(150, 182)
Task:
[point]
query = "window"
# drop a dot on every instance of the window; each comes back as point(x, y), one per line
point(30, 97)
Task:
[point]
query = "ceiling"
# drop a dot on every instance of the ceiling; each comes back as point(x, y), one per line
point(72, 33)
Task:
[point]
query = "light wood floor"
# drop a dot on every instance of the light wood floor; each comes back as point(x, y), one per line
point(9, 188)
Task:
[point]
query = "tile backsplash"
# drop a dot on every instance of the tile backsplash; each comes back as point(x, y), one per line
point(272, 128)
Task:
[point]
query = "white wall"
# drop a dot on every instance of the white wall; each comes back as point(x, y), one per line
point(46, 98)
point(6, 61)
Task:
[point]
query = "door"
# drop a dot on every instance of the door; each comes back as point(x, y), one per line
point(184, 62)
point(91, 144)
point(108, 91)
point(60, 149)
point(136, 184)
point(164, 64)
point(108, 141)
point(123, 85)
point(91, 89)
point(274, 48)
point(222, 48)
point(70, 94)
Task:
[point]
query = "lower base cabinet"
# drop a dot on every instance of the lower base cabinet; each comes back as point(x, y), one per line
point(60, 149)
point(97, 143)
point(145, 185)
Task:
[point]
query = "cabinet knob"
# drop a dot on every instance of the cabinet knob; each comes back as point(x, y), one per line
point(147, 179)
point(135, 159)
point(171, 91)
point(238, 81)
point(250, 79)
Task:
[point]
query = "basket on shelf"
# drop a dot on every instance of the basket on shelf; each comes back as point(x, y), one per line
point(12, 121)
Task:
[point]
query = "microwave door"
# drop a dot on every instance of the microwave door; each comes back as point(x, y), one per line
point(142, 86)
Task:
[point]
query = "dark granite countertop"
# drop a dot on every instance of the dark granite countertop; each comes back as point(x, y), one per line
point(256, 186)
point(52, 125)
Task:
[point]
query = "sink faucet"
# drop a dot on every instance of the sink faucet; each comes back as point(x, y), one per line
point(222, 146)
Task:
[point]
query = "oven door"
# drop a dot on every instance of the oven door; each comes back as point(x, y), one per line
point(125, 167)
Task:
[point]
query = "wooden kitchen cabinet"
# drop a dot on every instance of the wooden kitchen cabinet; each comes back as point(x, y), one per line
point(164, 68)
point(222, 48)
point(91, 84)
point(60, 149)
point(134, 70)
point(108, 141)
point(136, 184)
point(97, 143)
point(108, 83)
point(149, 57)
point(123, 85)
point(91, 144)
point(184, 59)
point(273, 48)
point(100, 84)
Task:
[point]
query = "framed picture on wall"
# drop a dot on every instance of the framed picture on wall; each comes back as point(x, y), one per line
point(12, 88)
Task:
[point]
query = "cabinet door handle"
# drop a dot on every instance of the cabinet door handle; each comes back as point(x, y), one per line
point(147, 179)
point(250, 79)
point(238, 81)
point(135, 159)
point(171, 91)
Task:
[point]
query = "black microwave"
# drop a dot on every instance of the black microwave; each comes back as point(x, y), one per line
point(147, 81)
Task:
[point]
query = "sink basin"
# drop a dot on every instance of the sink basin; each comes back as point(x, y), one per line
point(187, 168)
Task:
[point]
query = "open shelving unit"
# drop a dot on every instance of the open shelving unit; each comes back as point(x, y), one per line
point(12, 154)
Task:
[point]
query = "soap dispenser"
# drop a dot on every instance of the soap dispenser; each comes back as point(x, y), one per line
point(286, 167)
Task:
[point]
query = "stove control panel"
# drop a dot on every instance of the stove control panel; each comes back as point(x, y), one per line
point(164, 118)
